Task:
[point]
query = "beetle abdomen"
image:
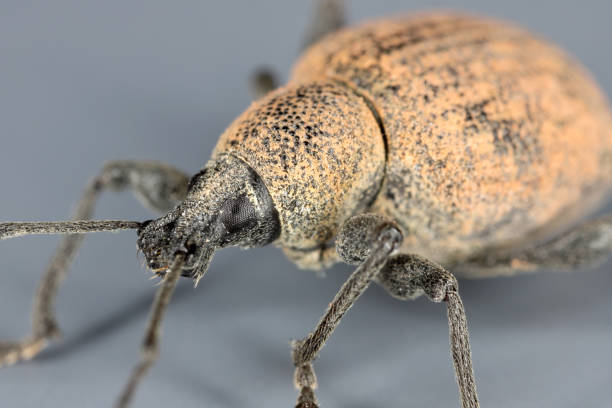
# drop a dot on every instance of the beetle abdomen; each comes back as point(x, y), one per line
point(491, 131)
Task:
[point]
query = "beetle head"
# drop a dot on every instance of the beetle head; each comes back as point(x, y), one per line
point(227, 205)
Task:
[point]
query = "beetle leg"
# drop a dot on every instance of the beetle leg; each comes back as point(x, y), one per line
point(588, 244)
point(150, 344)
point(329, 16)
point(384, 238)
point(264, 80)
point(157, 185)
point(409, 276)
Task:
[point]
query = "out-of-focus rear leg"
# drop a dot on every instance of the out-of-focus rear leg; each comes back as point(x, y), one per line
point(329, 16)
point(158, 186)
point(588, 244)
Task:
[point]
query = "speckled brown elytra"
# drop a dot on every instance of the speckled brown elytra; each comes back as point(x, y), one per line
point(458, 139)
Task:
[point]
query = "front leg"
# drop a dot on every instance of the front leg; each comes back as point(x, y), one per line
point(368, 240)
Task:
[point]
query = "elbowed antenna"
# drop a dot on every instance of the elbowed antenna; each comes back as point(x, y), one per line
point(17, 229)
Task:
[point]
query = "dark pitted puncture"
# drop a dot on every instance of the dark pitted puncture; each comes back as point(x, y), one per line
point(410, 146)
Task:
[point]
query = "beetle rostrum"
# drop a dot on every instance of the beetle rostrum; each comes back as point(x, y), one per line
point(415, 148)
point(227, 205)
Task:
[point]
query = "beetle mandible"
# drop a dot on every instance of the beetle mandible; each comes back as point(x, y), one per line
point(455, 138)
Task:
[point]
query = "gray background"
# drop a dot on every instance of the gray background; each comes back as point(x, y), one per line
point(83, 82)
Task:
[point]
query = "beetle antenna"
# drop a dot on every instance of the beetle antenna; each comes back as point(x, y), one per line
point(17, 229)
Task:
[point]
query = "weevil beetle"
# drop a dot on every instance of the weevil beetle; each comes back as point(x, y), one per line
point(484, 168)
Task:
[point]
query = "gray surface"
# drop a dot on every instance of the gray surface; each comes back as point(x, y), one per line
point(83, 82)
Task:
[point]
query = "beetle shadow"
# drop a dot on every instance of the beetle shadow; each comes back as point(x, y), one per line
point(191, 381)
point(100, 330)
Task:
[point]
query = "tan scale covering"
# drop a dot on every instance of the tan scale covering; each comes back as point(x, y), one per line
point(319, 151)
point(493, 133)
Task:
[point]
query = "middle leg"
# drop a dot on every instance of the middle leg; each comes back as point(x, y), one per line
point(407, 277)
point(369, 240)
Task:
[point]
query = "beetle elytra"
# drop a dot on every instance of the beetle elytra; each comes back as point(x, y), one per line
point(443, 136)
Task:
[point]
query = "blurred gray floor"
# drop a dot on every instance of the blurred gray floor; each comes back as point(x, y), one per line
point(83, 82)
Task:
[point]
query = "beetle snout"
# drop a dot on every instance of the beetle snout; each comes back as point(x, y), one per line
point(157, 241)
point(154, 243)
point(160, 242)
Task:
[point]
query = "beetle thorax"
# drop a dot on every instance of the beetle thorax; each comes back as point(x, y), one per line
point(319, 150)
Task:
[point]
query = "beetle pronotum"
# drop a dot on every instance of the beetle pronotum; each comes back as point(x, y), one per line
point(254, 192)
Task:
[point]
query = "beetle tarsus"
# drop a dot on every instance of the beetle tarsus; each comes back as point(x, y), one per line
point(306, 382)
point(307, 398)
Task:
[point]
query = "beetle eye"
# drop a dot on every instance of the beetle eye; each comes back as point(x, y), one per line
point(238, 214)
